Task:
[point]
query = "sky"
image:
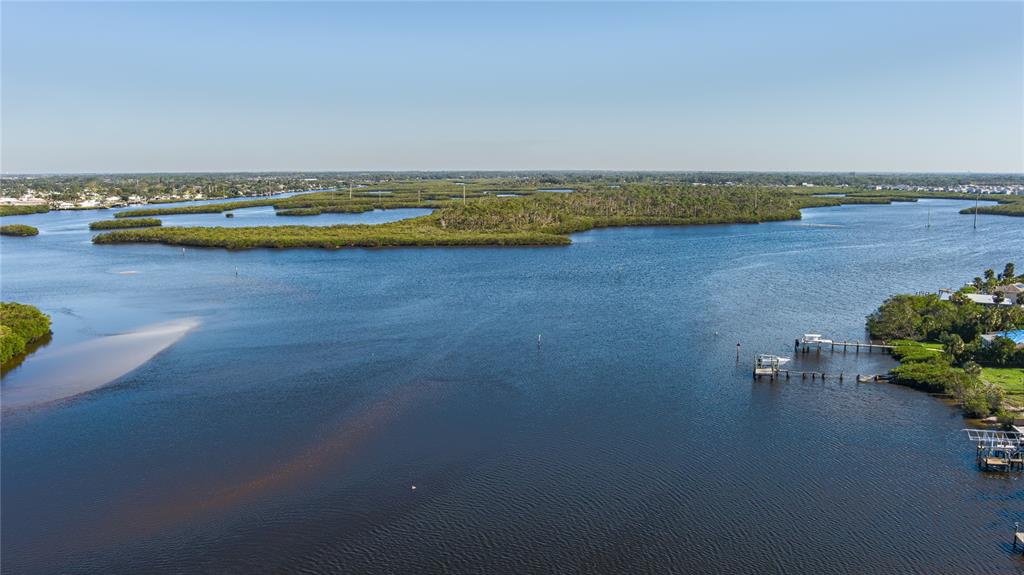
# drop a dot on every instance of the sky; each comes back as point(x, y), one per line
point(729, 86)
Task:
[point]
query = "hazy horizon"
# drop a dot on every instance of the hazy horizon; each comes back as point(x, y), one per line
point(501, 172)
point(668, 87)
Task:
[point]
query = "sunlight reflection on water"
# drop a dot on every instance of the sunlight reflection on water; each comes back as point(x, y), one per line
point(90, 364)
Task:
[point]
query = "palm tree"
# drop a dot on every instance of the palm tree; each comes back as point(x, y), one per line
point(1009, 272)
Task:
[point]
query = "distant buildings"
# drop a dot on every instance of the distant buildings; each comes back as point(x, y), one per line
point(1003, 189)
point(27, 200)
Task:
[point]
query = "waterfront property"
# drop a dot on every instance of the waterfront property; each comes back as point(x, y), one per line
point(978, 298)
point(1011, 292)
point(420, 367)
point(771, 366)
point(815, 341)
point(997, 450)
point(1016, 336)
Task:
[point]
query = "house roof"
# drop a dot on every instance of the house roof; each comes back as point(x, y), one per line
point(984, 299)
point(1011, 288)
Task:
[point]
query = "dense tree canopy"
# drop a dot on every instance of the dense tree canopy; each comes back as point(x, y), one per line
point(20, 325)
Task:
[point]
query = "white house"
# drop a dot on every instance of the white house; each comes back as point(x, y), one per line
point(1012, 292)
point(978, 298)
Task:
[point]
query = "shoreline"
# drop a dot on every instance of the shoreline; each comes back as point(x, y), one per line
point(429, 230)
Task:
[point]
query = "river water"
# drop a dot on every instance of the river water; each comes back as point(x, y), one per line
point(565, 409)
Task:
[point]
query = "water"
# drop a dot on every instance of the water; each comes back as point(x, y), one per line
point(286, 430)
point(258, 216)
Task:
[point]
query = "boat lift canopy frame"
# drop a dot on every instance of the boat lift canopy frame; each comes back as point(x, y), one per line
point(992, 438)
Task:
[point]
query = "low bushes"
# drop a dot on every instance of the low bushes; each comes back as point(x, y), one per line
point(933, 371)
point(932, 375)
point(23, 210)
point(125, 223)
point(18, 230)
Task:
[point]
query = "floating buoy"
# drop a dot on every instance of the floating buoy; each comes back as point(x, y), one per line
point(414, 488)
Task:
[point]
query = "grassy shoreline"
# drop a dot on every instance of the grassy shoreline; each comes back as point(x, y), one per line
point(1010, 380)
point(24, 210)
point(120, 224)
point(18, 230)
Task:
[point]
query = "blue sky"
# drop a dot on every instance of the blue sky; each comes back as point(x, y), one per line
point(181, 86)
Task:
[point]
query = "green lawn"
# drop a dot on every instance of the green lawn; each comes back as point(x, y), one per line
point(1010, 379)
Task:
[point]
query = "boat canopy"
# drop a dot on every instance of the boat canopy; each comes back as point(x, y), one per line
point(995, 438)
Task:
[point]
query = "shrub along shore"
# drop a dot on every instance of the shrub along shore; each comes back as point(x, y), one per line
point(20, 326)
point(19, 230)
point(128, 223)
point(24, 210)
point(1007, 209)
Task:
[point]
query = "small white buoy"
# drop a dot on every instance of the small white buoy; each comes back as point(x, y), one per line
point(414, 488)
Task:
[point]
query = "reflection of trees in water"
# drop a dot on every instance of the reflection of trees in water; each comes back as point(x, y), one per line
point(31, 348)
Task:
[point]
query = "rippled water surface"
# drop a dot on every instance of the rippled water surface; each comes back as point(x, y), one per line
point(285, 431)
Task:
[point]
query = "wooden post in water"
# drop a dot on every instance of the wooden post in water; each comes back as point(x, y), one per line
point(976, 196)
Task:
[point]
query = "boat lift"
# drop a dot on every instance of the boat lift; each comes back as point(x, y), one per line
point(998, 449)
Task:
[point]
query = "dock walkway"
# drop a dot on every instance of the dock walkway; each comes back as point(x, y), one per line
point(816, 342)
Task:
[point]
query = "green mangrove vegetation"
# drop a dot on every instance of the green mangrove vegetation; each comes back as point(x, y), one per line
point(19, 230)
point(21, 325)
point(940, 346)
point(128, 223)
point(1008, 206)
point(483, 218)
point(23, 210)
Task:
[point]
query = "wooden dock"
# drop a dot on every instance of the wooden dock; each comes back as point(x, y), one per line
point(760, 372)
point(770, 366)
point(816, 342)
